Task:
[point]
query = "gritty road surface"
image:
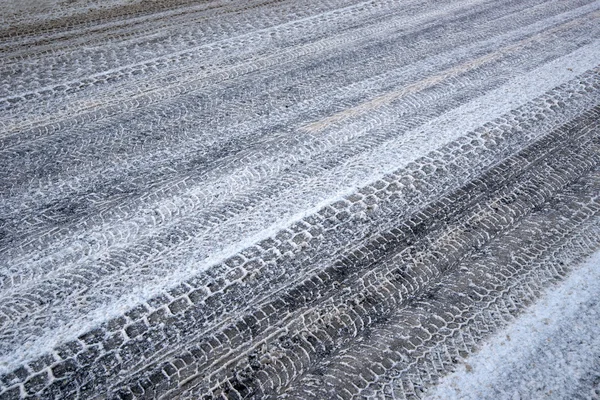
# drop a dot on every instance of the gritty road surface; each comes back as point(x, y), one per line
point(548, 352)
point(294, 199)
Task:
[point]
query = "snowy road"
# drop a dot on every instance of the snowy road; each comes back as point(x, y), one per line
point(552, 351)
point(286, 199)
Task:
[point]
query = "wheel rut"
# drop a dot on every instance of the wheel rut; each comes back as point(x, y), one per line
point(287, 199)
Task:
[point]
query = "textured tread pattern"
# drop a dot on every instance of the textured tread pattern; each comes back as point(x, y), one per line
point(285, 199)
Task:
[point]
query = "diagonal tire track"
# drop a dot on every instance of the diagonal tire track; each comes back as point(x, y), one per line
point(286, 199)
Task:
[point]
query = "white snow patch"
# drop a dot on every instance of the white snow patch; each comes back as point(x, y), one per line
point(543, 353)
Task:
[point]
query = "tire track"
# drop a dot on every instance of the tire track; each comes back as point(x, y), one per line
point(285, 199)
point(161, 171)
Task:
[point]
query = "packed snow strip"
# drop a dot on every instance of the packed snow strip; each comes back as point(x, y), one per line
point(544, 353)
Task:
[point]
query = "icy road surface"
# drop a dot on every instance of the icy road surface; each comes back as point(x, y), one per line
point(289, 199)
point(548, 352)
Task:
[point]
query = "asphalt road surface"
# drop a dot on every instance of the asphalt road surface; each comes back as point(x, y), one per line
point(299, 199)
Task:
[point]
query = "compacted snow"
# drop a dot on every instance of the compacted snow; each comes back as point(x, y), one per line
point(545, 353)
point(287, 199)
